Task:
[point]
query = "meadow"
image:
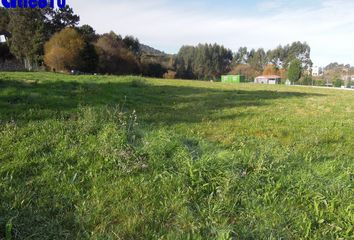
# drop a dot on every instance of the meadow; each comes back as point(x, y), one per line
point(106, 157)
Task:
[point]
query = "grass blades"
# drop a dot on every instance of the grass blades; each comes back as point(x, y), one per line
point(104, 157)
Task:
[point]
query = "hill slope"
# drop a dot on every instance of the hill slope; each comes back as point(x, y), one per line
point(104, 157)
point(150, 50)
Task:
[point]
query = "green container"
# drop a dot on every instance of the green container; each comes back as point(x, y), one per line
point(232, 78)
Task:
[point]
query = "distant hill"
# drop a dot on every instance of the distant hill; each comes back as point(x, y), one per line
point(151, 55)
point(150, 50)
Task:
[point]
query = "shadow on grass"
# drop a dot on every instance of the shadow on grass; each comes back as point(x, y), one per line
point(30, 101)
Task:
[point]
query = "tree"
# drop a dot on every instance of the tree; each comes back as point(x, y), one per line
point(295, 70)
point(4, 22)
point(27, 35)
point(338, 82)
point(245, 70)
point(300, 51)
point(132, 44)
point(28, 29)
point(58, 19)
point(277, 56)
point(89, 56)
point(205, 61)
point(88, 33)
point(271, 69)
point(154, 70)
point(257, 59)
point(183, 62)
point(241, 56)
point(114, 57)
point(5, 52)
point(307, 80)
point(283, 55)
point(283, 74)
point(62, 51)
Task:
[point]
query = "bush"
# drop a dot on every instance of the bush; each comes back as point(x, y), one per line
point(307, 80)
point(319, 82)
point(62, 51)
point(338, 83)
point(295, 69)
point(153, 70)
point(137, 83)
point(170, 75)
point(245, 70)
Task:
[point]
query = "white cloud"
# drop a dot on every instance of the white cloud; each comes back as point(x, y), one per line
point(270, 5)
point(328, 28)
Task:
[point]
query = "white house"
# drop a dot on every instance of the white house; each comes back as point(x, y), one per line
point(268, 79)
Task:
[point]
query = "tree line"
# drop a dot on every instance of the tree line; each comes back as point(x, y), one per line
point(207, 61)
point(51, 38)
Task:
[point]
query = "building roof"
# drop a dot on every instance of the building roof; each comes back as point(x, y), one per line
point(269, 76)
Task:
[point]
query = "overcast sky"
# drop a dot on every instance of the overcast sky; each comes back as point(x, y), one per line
point(327, 25)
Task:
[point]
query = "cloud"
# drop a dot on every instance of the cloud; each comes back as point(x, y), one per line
point(167, 25)
point(270, 5)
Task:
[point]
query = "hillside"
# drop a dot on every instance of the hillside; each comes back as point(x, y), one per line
point(150, 50)
point(106, 157)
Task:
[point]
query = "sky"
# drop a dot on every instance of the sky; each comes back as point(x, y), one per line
point(327, 25)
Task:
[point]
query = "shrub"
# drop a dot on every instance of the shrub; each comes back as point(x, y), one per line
point(307, 80)
point(170, 74)
point(338, 83)
point(154, 70)
point(295, 70)
point(62, 51)
point(137, 83)
point(245, 70)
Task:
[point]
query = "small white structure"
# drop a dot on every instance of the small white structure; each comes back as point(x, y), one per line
point(287, 82)
point(268, 79)
point(317, 71)
point(2, 38)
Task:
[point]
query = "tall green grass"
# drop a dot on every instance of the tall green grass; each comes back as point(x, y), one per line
point(85, 157)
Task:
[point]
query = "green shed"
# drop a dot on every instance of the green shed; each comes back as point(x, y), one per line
point(232, 78)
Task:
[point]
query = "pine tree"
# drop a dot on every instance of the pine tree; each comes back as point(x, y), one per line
point(58, 19)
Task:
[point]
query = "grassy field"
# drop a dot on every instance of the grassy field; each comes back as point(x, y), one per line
point(104, 157)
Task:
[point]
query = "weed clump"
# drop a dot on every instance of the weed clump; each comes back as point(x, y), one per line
point(139, 83)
